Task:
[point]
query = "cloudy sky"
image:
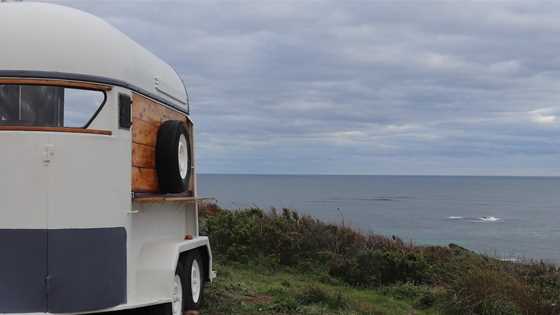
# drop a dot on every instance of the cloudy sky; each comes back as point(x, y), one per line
point(361, 87)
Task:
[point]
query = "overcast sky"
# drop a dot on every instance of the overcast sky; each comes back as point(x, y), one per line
point(361, 87)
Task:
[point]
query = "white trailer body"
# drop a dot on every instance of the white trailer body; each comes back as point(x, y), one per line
point(87, 221)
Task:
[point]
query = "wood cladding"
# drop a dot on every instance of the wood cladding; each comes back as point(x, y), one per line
point(57, 129)
point(144, 180)
point(143, 132)
point(147, 117)
point(143, 156)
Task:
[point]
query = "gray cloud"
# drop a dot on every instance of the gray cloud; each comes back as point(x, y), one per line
point(361, 87)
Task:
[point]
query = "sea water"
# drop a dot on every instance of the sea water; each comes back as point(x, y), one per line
point(507, 217)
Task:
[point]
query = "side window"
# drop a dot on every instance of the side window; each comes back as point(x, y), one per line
point(48, 106)
point(41, 105)
point(9, 103)
point(81, 106)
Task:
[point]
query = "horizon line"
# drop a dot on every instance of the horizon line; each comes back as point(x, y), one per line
point(395, 175)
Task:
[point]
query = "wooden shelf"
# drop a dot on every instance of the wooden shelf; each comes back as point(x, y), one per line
point(153, 198)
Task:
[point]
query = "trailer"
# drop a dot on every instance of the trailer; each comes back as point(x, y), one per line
point(98, 194)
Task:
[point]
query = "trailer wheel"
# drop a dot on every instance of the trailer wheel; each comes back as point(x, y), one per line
point(177, 303)
point(191, 272)
point(173, 157)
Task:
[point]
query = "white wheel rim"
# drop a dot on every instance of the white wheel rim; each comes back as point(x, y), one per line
point(196, 282)
point(183, 156)
point(177, 298)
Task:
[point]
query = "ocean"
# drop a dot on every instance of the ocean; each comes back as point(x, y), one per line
point(506, 217)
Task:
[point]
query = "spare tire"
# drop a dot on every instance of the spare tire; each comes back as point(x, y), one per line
point(173, 157)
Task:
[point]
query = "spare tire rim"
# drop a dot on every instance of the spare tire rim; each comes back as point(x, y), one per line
point(183, 156)
point(195, 281)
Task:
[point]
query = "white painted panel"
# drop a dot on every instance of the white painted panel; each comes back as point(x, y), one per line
point(72, 41)
point(157, 264)
point(89, 181)
point(90, 175)
point(23, 186)
point(152, 223)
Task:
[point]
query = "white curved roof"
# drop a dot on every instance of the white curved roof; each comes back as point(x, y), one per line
point(41, 37)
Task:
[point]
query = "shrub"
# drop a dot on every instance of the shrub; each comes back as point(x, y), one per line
point(318, 295)
point(293, 240)
point(422, 297)
point(472, 283)
point(405, 291)
point(373, 268)
point(487, 291)
point(284, 304)
point(313, 295)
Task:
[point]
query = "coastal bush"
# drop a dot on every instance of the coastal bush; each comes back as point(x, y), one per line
point(490, 291)
point(404, 291)
point(292, 240)
point(317, 295)
point(373, 268)
point(421, 296)
point(461, 281)
point(542, 277)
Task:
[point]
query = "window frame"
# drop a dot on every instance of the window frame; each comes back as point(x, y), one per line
point(67, 84)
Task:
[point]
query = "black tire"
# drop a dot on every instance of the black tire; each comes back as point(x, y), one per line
point(167, 157)
point(184, 271)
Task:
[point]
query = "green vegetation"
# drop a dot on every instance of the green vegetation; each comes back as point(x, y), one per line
point(283, 263)
point(248, 289)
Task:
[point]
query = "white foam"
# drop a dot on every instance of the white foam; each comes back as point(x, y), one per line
point(489, 219)
point(455, 217)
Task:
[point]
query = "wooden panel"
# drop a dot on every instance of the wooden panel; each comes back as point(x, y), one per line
point(144, 180)
point(56, 82)
point(144, 133)
point(151, 112)
point(56, 129)
point(143, 156)
point(147, 117)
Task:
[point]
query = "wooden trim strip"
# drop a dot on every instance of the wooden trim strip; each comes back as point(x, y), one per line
point(56, 82)
point(165, 199)
point(149, 198)
point(57, 129)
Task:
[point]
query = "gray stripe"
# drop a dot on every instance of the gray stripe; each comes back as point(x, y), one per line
point(87, 269)
point(91, 78)
point(23, 270)
point(62, 271)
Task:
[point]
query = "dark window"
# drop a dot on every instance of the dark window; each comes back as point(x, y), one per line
point(48, 106)
point(124, 111)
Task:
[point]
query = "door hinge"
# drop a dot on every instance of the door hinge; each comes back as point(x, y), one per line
point(48, 154)
point(48, 280)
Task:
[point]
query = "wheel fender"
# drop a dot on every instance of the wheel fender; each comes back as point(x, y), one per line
point(157, 264)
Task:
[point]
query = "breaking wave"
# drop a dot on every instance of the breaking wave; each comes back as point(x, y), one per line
point(489, 219)
point(455, 217)
point(475, 219)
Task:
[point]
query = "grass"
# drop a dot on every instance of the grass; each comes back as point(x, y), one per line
point(246, 289)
